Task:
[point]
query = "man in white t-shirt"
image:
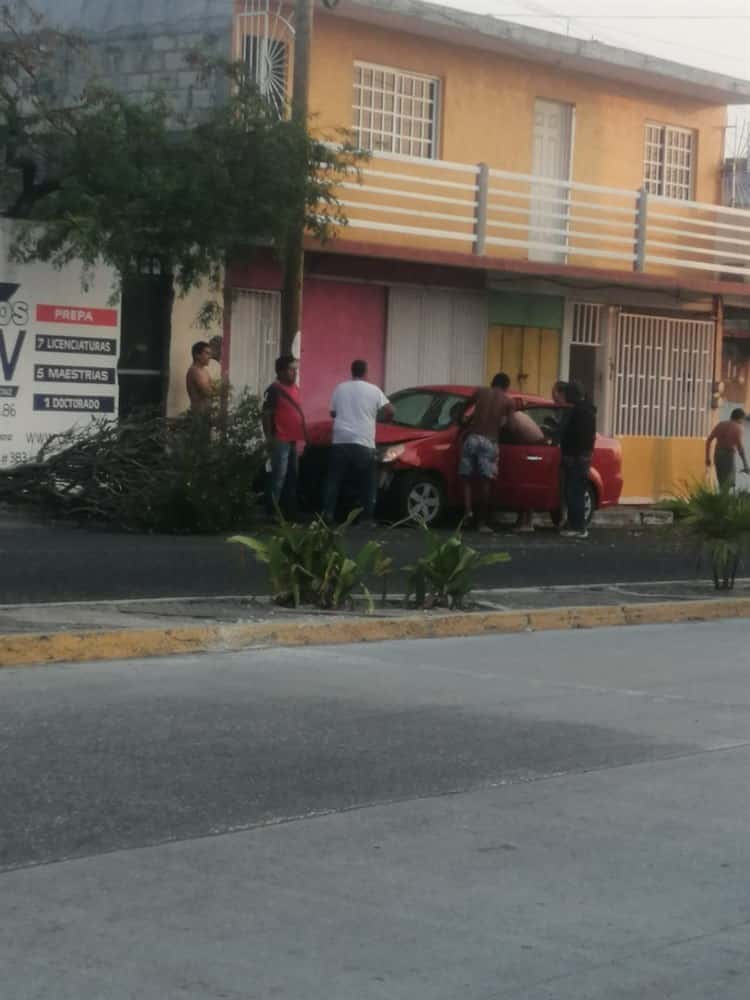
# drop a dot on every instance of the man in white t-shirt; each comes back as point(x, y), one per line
point(355, 406)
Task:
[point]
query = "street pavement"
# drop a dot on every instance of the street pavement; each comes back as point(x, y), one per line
point(552, 816)
point(48, 561)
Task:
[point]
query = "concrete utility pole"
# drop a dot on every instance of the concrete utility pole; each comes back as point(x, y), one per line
point(294, 260)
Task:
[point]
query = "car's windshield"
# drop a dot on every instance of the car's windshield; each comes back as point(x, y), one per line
point(426, 410)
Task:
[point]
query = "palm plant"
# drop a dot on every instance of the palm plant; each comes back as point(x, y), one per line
point(445, 574)
point(720, 521)
point(308, 563)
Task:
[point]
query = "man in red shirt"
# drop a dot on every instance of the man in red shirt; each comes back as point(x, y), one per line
point(728, 438)
point(284, 427)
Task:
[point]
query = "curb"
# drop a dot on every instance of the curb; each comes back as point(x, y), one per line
point(18, 650)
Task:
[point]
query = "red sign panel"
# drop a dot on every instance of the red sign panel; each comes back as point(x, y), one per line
point(77, 315)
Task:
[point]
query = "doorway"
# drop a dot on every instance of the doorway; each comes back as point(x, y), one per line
point(143, 366)
point(551, 159)
point(529, 355)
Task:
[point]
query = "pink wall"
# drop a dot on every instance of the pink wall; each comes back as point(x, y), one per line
point(340, 322)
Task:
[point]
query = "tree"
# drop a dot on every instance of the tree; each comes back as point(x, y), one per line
point(106, 178)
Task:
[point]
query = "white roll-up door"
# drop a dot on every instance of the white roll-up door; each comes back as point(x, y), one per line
point(254, 340)
point(435, 337)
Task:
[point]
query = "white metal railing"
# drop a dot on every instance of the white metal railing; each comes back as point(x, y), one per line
point(500, 212)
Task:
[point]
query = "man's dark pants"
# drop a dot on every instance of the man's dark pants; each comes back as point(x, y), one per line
point(356, 464)
point(576, 477)
point(281, 482)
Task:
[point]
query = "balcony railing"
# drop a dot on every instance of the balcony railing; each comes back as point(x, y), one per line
point(478, 210)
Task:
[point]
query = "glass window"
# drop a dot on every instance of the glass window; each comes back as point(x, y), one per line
point(668, 162)
point(447, 411)
point(427, 411)
point(549, 418)
point(410, 101)
point(267, 60)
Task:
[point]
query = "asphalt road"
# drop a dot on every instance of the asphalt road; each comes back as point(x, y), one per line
point(55, 562)
point(555, 816)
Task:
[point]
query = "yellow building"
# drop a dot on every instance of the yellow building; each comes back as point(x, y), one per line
point(533, 202)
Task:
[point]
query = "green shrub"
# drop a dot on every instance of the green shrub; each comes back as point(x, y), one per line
point(147, 473)
point(445, 574)
point(308, 564)
point(719, 520)
point(678, 506)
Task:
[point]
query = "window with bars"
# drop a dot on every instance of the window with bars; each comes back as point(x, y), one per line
point(584, 344)
point(267, 60)
point(395, 112)
point(669, 161)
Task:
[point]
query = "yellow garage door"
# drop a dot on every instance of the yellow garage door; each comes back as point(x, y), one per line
point(529, 355)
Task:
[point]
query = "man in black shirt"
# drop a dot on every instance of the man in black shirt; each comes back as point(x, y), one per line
point(577, 449)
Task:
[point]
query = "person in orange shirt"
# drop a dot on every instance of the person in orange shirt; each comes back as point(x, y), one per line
point(728, 438)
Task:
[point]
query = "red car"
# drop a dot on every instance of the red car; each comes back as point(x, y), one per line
point(418, 453)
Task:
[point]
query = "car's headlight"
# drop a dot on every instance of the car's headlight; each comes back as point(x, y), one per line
point(392, 453)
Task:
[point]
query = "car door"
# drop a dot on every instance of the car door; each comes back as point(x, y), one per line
point(529, 474)
point(529, 477)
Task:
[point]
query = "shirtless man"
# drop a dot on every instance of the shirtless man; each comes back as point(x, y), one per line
point(198, 381)
point(479, 452)
point(728, 438)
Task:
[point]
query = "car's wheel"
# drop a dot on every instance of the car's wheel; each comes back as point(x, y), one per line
point(589, 503)
point(421, 498)
point(589, 507)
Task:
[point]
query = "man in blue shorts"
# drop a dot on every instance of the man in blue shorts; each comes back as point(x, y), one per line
point(487, 412)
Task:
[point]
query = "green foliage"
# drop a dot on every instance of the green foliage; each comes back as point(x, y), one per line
point(308, 563)
point(445, 574)
point(719, 520)
point(129, 182)
point(679, 504)
point(145, 473)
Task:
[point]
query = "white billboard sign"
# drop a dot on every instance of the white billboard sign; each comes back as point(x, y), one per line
point(59, 346)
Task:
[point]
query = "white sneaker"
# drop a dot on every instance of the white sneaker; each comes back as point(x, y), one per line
point(574, 534)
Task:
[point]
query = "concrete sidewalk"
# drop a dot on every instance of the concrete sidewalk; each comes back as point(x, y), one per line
point(67, 632)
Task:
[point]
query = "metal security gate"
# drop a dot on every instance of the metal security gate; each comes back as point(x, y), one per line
point(585, 341)
point(663, 375)
point(254, 340)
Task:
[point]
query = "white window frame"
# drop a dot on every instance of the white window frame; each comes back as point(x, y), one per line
point(396, 129)
point(669, 157)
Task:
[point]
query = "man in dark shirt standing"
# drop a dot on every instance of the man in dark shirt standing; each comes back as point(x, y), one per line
point(284, 427)
point(577, 449)
point(479, 452)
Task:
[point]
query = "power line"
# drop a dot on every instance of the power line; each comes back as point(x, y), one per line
point(626, 17)
point(543, 12)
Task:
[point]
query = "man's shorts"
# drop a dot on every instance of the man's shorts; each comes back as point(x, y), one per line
point(478, 458)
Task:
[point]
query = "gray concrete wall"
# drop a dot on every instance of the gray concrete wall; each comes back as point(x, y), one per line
point(142, 47)
point(100, 17)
